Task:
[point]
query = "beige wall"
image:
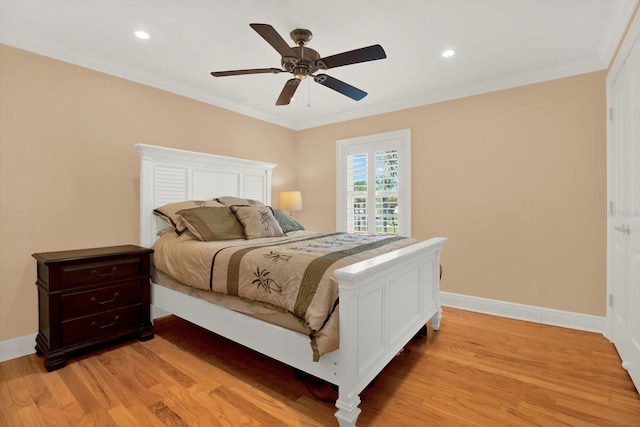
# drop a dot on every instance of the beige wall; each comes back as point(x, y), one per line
point(68, 169)
point(516, 180)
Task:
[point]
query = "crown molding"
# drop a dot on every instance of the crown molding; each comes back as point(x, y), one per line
point(478, 88)
point(94, 62)
point(89, 60)
point(619, 18)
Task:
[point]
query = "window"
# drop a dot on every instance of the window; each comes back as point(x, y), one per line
point(374, 184)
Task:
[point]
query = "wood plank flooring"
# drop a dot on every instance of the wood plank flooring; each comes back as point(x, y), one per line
point(477, 370)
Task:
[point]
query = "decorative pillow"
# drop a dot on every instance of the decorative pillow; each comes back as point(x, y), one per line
point(286, 222)
point(237, 201)
point(212, 223)
point(169, 212)
point(258, 221)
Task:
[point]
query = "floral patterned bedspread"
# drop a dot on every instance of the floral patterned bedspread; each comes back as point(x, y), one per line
point(291, 274)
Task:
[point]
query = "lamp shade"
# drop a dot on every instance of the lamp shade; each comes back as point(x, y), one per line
point(290, 201)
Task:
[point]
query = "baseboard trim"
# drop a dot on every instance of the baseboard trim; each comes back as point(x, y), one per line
point(158, 312)
point(22, 346)
point(530, 313)
point(17, 347)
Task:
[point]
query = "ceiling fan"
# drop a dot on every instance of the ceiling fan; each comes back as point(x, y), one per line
point(302, 62)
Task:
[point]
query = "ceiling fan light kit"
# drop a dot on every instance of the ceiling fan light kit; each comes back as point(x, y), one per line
point(302, 62)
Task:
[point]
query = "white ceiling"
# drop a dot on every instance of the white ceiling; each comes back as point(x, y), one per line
point(499, 44)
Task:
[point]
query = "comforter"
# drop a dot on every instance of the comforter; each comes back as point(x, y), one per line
point(292, 274)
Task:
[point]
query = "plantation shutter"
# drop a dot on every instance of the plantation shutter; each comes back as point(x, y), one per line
point(374, 184)
point(372, 191)
point(386, 191)
point(357, 193)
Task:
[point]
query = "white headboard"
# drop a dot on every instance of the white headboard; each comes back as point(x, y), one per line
point(170, 175)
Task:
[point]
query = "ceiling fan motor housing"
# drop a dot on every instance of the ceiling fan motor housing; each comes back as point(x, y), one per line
point(304, 63)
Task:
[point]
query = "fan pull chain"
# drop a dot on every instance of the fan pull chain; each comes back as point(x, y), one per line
point(308, 93)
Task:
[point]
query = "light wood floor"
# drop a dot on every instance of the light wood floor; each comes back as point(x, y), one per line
point(478, 370)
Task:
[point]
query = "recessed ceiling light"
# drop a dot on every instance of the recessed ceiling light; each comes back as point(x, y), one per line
point(142, 35)
point(448, 53)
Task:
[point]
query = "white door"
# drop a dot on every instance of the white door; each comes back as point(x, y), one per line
point(624, 211)
point(633, 218)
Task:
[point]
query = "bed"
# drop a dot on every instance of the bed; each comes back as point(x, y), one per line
point(383, 301)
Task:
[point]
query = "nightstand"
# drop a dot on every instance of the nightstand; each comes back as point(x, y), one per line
point(89, 297)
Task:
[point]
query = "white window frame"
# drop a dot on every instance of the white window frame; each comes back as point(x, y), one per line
point(400, 140)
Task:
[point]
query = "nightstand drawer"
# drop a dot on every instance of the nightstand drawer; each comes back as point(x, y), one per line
point(99, 272)
point(115, 323)
point(94, 301)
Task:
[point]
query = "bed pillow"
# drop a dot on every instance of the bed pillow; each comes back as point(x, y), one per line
point(286, 222)
point(257, 221)
point(212, 223)
point(237, 201)
point(169, 212)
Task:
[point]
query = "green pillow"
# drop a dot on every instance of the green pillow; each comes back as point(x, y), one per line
point(212, 223)
point(286, 222)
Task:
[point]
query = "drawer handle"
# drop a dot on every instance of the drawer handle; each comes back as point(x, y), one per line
point(113, 270)
point(94, 324)
point(115, 295)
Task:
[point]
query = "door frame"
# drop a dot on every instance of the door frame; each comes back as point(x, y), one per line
point(625, 49)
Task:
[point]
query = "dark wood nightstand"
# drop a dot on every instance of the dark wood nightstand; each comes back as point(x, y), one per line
point(88, 297)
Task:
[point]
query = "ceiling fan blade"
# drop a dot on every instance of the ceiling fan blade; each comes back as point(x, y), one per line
point(340, 86)
point(251, 71)
point(273, 38)
point(369, 53)
point(287, 92)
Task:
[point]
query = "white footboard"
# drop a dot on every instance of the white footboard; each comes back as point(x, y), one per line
point(384, 301)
